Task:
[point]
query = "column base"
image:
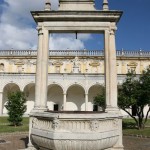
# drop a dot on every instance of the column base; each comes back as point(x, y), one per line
point(30, 147)
point(116, 148)
point(112, 109)
point(39, 109)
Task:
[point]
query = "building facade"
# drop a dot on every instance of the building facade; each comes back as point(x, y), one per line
point(75, 76)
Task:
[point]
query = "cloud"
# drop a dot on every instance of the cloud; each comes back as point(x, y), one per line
point(18, 29)
point(64, 42)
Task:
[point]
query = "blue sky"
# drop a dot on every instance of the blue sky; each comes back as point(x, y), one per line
point(17, 27)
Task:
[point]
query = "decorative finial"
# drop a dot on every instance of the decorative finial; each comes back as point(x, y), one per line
point(105, 5)
point(47, 5)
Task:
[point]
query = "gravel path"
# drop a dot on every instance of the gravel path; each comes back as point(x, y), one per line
point(15, 142)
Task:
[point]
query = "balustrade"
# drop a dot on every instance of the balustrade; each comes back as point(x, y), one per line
point(119, 53)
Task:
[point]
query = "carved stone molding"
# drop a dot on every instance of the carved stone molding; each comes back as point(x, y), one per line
point(55, 124)
point(116, 123)
point(94, 125)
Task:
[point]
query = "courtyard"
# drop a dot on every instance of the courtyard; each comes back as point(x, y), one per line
point(15, 141)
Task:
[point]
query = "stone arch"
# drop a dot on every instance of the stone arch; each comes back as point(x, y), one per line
point(93, 91)
point(29, 91)
point(2, 67)
point(75, 98)
point(77, 84)
point(8, 88)
point(55, 97)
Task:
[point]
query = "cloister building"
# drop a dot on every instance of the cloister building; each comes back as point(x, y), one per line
point(73, 73)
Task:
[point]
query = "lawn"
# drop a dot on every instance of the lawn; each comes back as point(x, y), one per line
point(5, 126)
point(130, 129)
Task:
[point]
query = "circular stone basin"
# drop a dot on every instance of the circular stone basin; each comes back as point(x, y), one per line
point(75, 130)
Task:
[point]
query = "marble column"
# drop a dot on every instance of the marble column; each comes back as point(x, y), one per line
point(106, 55)
point(42, 70)
point(1, 103)
point(64, 101)
point(86, 102)
point(110, 71)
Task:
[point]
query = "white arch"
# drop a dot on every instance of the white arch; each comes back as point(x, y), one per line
point(94, 84)
point(5, 92)
point(93, 90)
point(55, 83)
point(30, 96)
point(76, 84)
point(28, 83)
point(6, 84)
point(75, 101)
point(55, 96)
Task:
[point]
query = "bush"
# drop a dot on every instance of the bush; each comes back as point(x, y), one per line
point(16, 107)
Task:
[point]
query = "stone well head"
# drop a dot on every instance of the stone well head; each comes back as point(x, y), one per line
point(75, 5)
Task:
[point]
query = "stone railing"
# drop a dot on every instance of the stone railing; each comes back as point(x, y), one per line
point(119, 53)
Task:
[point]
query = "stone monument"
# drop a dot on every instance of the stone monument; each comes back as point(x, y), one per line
point(76, 130)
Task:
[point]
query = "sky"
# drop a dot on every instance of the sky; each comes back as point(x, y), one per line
point(18, 29)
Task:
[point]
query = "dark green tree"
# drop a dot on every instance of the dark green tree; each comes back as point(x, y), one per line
point(16, 107)
point(136, 92)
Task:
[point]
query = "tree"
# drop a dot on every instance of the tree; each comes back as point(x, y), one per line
point(16, 107)
point(136, 92)
point(99, 100)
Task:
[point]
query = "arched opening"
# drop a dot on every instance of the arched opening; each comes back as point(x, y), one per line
point(9, 88)
point(94, 91)
point(1, 67)
point(75, 98)
point(29, 91)
point(55, 97)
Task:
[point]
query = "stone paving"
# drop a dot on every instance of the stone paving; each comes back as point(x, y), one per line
point(19, 141)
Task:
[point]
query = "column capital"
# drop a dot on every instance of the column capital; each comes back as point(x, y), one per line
point(112, 32)
point(40, 30)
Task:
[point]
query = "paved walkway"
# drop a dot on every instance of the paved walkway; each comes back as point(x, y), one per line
point(15, 142)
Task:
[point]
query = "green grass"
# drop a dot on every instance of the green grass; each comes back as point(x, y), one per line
point(129, 128)
point(5, 126)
